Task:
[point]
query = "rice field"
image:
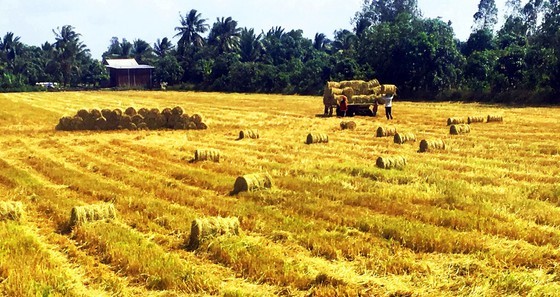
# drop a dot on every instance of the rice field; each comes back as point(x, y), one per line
point(478, 218)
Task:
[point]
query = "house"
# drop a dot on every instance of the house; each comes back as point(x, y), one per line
point(128, 73)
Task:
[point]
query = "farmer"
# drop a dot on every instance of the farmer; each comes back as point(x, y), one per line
point(388, 98)
point(343, 105)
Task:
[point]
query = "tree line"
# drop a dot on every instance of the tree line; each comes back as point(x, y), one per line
point(390, 40)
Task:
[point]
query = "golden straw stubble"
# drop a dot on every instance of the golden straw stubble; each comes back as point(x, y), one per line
point(11, 210)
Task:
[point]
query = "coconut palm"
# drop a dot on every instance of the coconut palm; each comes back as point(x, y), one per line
point(69, 50)
point(163, 47)
point(321, 42)
point(225, 35)
point(142, 51)
point(10, 47)
point(250, 45)
point(192, 25)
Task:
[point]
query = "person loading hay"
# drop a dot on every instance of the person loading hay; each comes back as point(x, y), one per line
point(388, 98)
point(343, 105)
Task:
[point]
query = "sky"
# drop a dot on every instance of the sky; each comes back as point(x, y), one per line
point(99, 20)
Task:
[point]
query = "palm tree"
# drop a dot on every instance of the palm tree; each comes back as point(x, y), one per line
point(69, 49)
point(321, 42)
point(10, 48)
point(225, 35)
point(163, 47)
point(250, 45)
point(344, 40)
point(192, 25)
point(142, 51)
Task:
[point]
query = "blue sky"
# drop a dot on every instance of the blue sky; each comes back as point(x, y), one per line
point(99, 20)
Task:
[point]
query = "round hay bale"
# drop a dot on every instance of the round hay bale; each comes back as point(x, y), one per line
point(495, 119)
point(113, 120)
point(207, 155)
point(83, 113)
point(252, 182)
point(64, 124)
point(459, 129)
point(77, 123)
point(455, 121)
point(173, 120)
point(125, 120)
point(196, 118)
point(142, 126)
point(143, 112)
point(106, 113)
point(154, 110)
point(206, 228)
point(386, 131)
point(130, 111)
point(11, 211)
point(317, 138)
point(332, 84)
point(90, 213)
point(430, 145)
point(95, 113)
point(191, 126)
point(401, 138)
point(118, 112)
point(392, 162)
point(471, 120)
point(100, 124)
point(250, 133)
point(348, 125)
point(201, 126)
point(177, 110)
point(137, 119)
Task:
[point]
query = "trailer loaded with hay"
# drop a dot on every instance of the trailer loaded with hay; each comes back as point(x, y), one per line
point(362, 96)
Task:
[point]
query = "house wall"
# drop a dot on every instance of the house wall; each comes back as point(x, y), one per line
point(131, 77)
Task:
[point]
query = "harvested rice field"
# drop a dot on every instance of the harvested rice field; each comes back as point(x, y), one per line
point(110, 213)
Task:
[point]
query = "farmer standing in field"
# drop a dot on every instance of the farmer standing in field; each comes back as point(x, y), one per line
point(343, 105)
point(388, 98)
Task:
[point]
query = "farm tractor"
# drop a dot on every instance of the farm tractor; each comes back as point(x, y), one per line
point(363, 96)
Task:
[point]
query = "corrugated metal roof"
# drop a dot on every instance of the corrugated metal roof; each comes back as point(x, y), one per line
point(125, 64)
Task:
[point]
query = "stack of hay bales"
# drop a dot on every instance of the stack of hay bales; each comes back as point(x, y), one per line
point(401, 138)
point(89, 213)
point(459, 129)
point(249, 133)
point(132, 119)
point(431, 145)
point(11, 211)
point(205, 228)
point(397, 162)
point(252, 182)
point(317, 138)
point(357, 91)
point(386, 131)
point(207, 155)
point(471, 120)
point(494, 118)
point(455, 121)
point(348, 125)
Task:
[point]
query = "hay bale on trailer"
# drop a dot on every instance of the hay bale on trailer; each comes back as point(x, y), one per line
point(401, 138)
point(90, 213)
point(348, 92)
point(431, 145)
point(348, 125)
point(11, 211)
point(207, 155)
point(332, 85)
point(495, 119)
point(317, 138)
point(471, 120)
point(386, 131)
point(250, 133)
point(205, 228)
point(391, 162)
point(459, 129)
point(455, 121)
point(252, 182)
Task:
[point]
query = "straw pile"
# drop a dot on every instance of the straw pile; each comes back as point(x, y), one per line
point(207, 155)
point(252, 134)
point(202, 229)
point(11, 211)
point(455, 121)
point(348, 125)
point(459, 129)
point(401, 138)
point(397, 162)
point(131, 119)
point(386, 131)
point(471, 120)
point(356, 91)
point(389, 89)
point(495, 118)
point(90, 213)
point(430, 145)
point(317, 138)
point(252, 182)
